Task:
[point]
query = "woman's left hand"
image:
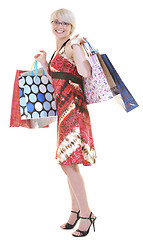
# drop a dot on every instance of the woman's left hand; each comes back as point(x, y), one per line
point(81, 40)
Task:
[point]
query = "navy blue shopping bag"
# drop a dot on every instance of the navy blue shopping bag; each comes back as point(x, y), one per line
point(127, 97)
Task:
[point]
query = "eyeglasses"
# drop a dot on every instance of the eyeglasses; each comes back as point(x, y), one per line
point(56, 22)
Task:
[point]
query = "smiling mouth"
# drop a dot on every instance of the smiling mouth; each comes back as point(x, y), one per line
point(59, 31)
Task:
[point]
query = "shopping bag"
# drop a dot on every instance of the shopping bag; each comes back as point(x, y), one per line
point(116, 84)
point(36, 95)
point(127, 97)
point(15, 118)
point(33, 104)
point(110, 80)
point(96, 88)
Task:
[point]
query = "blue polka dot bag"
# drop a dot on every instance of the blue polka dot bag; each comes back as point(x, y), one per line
point(36, 96)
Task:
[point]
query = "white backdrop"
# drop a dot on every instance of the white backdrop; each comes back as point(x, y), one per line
point(34, 198)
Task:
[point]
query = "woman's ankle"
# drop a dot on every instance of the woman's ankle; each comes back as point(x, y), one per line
point(75, 209)
point(85, 213)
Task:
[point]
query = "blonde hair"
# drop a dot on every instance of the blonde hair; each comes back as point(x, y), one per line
point(64, 15)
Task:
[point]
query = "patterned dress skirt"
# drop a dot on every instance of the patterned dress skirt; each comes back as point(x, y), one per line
point(74, 135)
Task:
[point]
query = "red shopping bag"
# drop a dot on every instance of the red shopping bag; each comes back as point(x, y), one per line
point(15, 119)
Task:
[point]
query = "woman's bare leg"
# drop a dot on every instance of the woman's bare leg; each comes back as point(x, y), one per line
point(77, 185)
point(74, 206)
point(74, 202)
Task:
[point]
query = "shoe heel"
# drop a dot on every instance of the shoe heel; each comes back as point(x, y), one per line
point(94, 224)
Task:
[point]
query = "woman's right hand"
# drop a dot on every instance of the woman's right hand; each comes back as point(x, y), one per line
point(41, 57)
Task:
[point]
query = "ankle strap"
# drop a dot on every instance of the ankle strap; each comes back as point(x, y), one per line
point(76, 212)
point(90, 218)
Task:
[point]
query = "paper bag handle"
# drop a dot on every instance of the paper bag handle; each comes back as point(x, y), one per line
point(34, 67)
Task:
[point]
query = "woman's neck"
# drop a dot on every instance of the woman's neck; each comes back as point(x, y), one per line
point(60, 42)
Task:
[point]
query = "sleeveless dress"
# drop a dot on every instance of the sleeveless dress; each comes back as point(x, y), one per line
point(74, 135)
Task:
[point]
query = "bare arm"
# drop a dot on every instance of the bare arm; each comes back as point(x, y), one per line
point(82, 64)
point(42, 59)
point(79, 56)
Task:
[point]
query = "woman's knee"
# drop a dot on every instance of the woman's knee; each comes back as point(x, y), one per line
point(70, 168)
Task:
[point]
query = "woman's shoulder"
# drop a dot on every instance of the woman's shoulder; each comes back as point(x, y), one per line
point(68, 50)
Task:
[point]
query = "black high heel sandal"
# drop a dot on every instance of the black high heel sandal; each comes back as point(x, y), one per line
point(70, 226)
point(84, 233)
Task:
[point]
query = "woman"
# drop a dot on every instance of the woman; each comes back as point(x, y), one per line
point(74, 136)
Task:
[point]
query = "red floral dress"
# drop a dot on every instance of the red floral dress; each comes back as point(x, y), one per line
point(74, 135)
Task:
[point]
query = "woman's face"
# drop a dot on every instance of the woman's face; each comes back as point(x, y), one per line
point(61, 29)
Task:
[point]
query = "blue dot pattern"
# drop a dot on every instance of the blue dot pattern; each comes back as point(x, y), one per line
point(31, 93)
point(41, 97)
point(30, 107)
